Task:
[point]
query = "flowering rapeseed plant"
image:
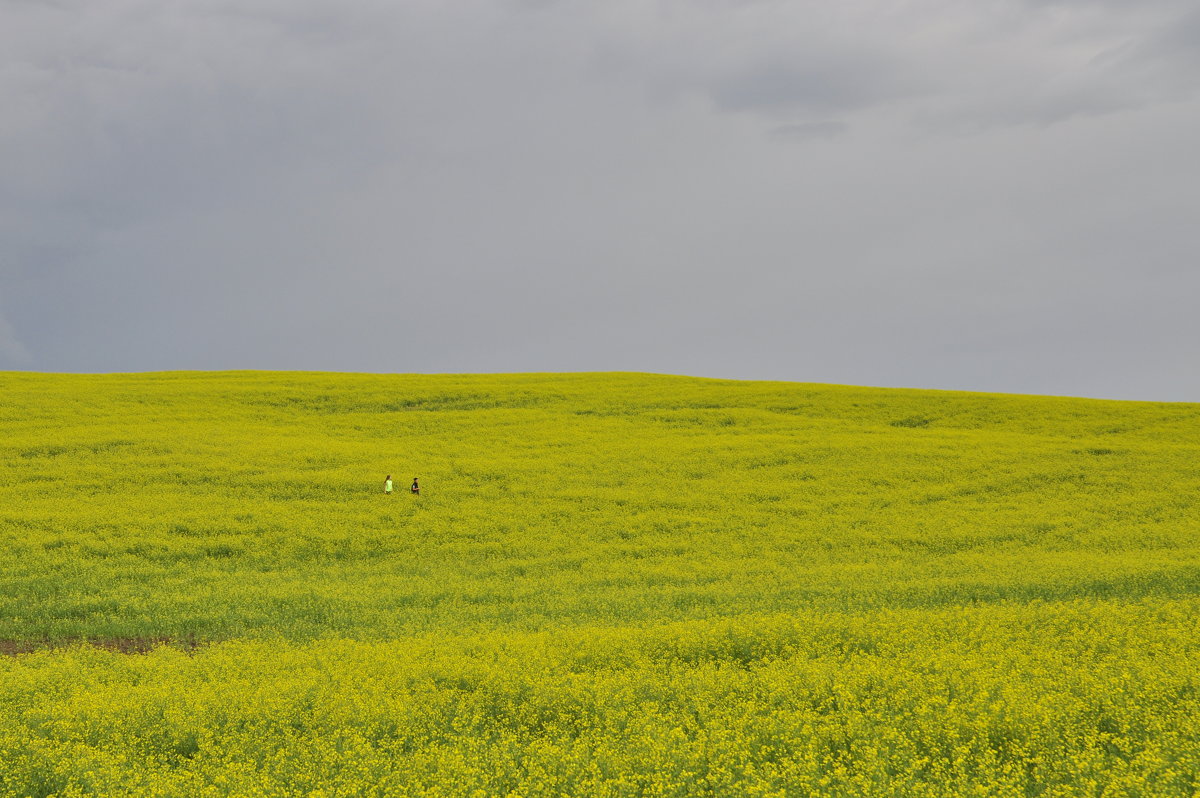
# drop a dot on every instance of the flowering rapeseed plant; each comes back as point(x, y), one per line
point(611, 585)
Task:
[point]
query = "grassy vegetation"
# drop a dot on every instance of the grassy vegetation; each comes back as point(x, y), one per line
point(611, 584)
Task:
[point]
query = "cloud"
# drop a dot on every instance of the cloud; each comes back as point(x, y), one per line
point(807, 84)
point(809, 131)
point(944, 66)
point(13, 353)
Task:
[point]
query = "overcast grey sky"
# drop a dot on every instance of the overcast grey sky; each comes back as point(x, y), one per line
point(998, 196)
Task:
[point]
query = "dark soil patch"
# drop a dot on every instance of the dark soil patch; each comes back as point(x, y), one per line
point(122, 645)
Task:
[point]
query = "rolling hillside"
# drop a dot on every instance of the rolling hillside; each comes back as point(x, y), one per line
point(611, 584)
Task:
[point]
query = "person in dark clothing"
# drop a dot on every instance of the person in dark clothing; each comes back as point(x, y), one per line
point(416, 489)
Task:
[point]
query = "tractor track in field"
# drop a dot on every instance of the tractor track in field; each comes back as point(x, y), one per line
point(120, 645)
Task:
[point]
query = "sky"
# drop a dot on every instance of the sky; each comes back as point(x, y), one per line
point(991, 196)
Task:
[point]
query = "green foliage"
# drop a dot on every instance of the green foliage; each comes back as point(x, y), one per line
point(612, 584)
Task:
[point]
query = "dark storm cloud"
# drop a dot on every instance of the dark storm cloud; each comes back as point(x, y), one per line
point(12, 351)
point(954, 67)
point(993, 196)
point(819, 85)
point(811, 130)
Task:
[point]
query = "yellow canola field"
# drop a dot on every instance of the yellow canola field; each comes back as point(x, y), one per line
point(611, 584)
